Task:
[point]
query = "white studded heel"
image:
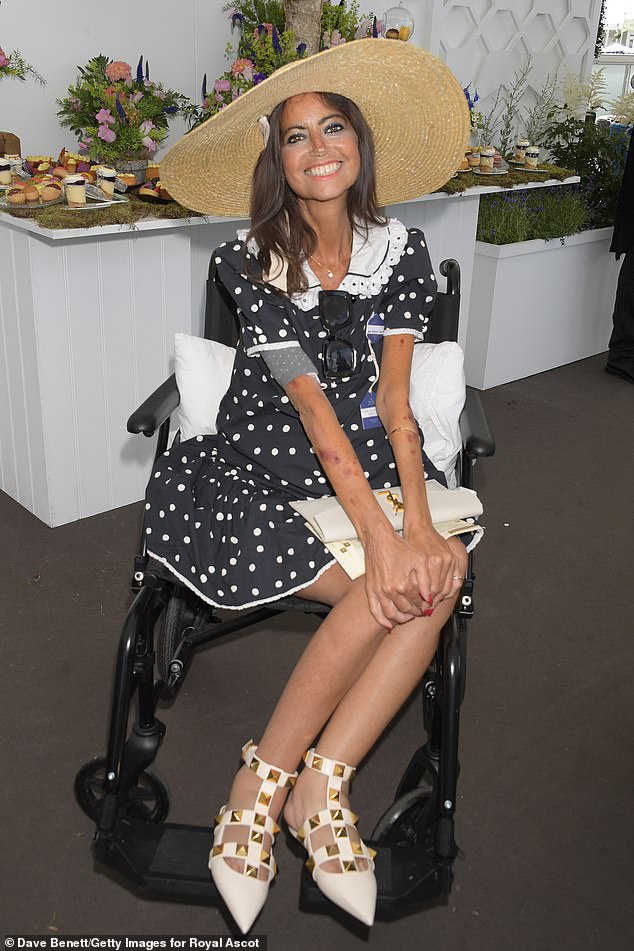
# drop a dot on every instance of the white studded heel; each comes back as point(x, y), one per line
point(351, 888)
point(245, 892)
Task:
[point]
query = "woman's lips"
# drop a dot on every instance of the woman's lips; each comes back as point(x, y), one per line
point(321, 171)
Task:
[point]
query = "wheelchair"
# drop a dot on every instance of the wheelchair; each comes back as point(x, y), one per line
point(166, 624)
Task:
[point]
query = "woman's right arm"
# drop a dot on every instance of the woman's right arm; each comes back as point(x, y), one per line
point(391, 583)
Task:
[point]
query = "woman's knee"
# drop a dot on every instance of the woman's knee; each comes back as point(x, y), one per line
point(329, 588)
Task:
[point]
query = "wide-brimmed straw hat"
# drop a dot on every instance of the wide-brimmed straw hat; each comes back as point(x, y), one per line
point(413, 103)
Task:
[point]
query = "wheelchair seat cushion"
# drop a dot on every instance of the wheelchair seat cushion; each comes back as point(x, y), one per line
point(217, 510)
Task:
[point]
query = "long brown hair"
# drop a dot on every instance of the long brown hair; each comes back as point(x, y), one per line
point(274, 205)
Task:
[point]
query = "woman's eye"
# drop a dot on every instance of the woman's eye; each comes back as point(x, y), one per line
point(294, 137)
point(334, 127)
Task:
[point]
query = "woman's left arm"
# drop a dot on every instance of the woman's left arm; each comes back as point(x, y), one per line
point(393, 407)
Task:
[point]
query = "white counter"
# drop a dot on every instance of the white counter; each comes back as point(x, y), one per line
point(87, 321)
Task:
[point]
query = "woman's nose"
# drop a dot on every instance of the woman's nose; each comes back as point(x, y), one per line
point(317, 144)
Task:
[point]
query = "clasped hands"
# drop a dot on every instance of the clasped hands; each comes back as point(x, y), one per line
point(409, 576)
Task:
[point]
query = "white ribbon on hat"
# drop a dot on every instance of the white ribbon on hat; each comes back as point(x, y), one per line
point(265, 129)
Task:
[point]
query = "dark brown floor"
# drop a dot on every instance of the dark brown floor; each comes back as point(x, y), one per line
point(544, 817)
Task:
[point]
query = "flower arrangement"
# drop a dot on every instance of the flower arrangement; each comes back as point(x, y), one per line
point(265, 44)
point(15, 65)
point(118, 117)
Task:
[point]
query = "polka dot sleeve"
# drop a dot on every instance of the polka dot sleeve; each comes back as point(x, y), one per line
point(264, 316)
point(411, 291)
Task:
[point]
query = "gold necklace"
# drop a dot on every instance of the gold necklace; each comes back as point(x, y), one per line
point(331, 270)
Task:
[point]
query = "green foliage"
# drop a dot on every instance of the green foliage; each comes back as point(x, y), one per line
point(545, 213)
point(346, 21)
point(598, 155)
point(134, 112)
point(258, 11)
point(16, 66)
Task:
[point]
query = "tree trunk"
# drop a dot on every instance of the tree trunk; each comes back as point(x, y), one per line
point(303, 18)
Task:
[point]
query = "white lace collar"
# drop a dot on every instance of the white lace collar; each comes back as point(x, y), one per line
point(371, 263)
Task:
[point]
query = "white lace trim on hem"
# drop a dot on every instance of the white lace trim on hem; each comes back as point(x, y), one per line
point(247, 604)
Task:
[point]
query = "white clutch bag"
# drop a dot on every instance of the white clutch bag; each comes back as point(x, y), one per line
point(330, 523)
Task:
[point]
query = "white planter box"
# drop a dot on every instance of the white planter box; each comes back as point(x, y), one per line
point(536, 305)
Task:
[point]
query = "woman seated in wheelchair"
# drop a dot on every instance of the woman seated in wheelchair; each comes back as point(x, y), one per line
point(318, 405)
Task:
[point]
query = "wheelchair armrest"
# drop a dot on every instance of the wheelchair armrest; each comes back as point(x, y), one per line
point(477, 437)
point(156, 409)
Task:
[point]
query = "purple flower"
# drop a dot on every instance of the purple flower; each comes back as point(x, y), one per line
point(301, 49)
point(236, 20)
point(120, 109)
point(106, 133)
point(160, 94)
point(149, 144)
point(4, 59)
point(276, 42)
point(337, 39)
point(74, 103)
point(104, 115)
point(136, 97)
point(83, 145)
point(222, 85)
point(258, 78)
point(146, 126)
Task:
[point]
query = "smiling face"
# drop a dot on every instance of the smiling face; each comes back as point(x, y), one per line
point(319, 149)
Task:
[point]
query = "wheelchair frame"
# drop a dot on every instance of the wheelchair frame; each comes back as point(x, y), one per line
point(414, 837)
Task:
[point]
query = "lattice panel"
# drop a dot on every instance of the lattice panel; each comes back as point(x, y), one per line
point(486, 41)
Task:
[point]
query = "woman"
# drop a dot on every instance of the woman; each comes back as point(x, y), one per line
point(318, 405)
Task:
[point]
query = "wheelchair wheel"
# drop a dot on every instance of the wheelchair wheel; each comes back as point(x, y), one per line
point(408, 820)
point(184, 610)
point(147, 799)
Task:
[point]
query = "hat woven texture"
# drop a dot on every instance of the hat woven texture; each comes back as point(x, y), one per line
point(413, 103)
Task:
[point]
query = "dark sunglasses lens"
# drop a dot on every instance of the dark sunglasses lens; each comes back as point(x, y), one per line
point(334, 310)
point(339, 358)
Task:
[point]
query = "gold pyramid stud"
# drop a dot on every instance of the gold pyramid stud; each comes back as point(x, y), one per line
point(314, 822)
point(264, 798)
point(265, 857)
point(256, 837)
point(341, 833)
point(336, 814)
point(310, 863)
point(236, 815)
point(357, 848)
point(259, 819)
point(371, 851)
point(218, 817)
point(217, 850)
point(301, 835)
point(274, 775)
point(349, 866)
point(333, 849)
point(290, 782)
point(242, 850)
point(354, 818)
point(333, 795)
point(251, 871)
point(276, 828)
point(317, 762)
point(254, 765)
point(339, 769)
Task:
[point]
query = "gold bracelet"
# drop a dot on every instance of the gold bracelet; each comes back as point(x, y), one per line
point(403, 429)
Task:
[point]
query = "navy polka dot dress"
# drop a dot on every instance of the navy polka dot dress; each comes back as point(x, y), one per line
point(217, 507)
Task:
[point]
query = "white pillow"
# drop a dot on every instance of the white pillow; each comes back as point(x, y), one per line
point(437, 395)
point(203, 372)
point(437, 392)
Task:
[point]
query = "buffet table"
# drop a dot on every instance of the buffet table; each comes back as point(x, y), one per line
point(88, 318)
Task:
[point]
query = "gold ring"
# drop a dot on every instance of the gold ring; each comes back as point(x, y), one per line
point(458, 577)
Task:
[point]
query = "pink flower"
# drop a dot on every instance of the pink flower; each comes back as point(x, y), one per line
point(106, 133)
point(136, 96)
point(4, 59)
point(337, 39)
point(146, 126)
point(104, 115)
point(118, 70)
point(149, 144)
point(74, 103)
point(222, 85)
point(83, 145)
point(219, 97)
point(238, 67)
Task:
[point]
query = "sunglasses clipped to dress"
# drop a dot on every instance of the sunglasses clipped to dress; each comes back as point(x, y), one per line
point(339, 356)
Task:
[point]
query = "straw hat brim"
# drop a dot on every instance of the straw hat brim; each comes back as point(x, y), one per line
point(413, 103)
